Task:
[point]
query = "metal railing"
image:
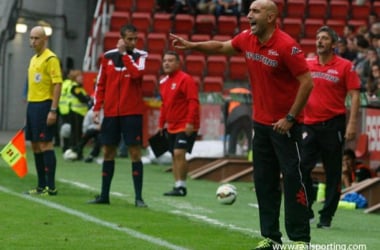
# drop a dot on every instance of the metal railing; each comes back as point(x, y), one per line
point(100, 26)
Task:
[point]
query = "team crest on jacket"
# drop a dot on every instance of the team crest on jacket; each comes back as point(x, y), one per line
point(174, 85)
point(295, 51)
point(37, 77)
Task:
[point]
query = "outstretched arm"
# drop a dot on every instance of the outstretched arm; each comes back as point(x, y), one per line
point(207, 47)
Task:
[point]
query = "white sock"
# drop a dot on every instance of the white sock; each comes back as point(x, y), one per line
point(180, 184)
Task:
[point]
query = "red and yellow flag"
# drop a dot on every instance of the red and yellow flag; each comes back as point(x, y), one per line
point(14, 153)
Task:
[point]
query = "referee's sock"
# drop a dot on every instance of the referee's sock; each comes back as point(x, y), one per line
point(50, 166)
point(107, 175)
point(40, 169)
point(137, 175)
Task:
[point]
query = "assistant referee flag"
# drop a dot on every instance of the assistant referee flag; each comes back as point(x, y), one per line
point(14, 153)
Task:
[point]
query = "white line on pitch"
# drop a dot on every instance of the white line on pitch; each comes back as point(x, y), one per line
point(95, 220)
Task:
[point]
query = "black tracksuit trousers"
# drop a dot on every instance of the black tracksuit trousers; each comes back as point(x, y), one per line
point(325, 141)
point(275, 154)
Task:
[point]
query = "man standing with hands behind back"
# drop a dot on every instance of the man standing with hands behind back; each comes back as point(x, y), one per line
point(281, 84)
point(119, 92)
point(325, 129)
point(180, 112)
point(44, 90)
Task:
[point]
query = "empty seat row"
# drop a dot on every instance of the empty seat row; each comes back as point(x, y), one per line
point(184, 23)
point(336, 9)
point(134, 5)
point(232, 68)
point(157, 42)
point(307, 29)
point(150, 87)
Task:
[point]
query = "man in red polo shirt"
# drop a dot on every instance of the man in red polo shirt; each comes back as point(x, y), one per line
point(325, 129)
point(281, 83)
point(180, 114)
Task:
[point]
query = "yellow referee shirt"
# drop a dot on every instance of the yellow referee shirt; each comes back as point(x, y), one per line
point(43, 73)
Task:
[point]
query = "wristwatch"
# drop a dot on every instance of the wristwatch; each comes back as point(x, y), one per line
point(290, 118)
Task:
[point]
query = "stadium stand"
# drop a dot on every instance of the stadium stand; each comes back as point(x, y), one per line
point(237, 69)
point(213, 84)
point(157, 42)
point(360, 11)
point(339, 9)
point(161, 22)
point(142, 21)
point(184, 24)
point(227, 25)
point(216, 65)
point(195, 64)
point(295, 8)
point(118, 19)
point(124, 5)
point(205, 24)
point(145, 6)
point(311, 25)
point(149, 85)
point(292, 26)
point(317, 9)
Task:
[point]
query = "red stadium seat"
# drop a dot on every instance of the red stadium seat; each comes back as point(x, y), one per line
point(311, 26)
point(308, 45)
point(123, 5)
point(118, 19)
point(227, 25)
point(358, 23)
point(292, 26)
point(238, 69)
point(200, 37)
point(145, 5)
point(339, 9)
point(156, 42)
point(149, 85)
point(360, 11)
point(141, 37)
point(317, 9)
point(195, 64)
point(376, 7)
point(280, 6)
point(205, 23)
point(184, 23)
point(110, 40)
point(244, 23)
point(216, 65)
point(295, 8)
point(336, 24)
point(142, 21)
point(198, 81)
point(153, 64)
point(212, 84)
point(161, 23)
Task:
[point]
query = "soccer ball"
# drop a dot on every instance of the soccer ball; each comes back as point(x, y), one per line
point(70, 155)
point(226, 194)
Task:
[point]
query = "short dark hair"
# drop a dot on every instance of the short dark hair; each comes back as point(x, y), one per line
point(173, 53)
point(350, 153)
point(330, 31)
point(127, 27)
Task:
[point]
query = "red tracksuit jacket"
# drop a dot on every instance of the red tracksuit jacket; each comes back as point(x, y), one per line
point(118, 89)
point(180, 102)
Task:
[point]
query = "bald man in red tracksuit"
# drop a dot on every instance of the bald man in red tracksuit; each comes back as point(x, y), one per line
point(180, 113)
